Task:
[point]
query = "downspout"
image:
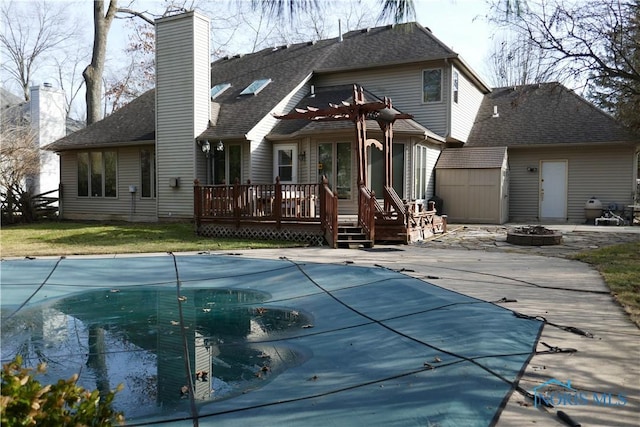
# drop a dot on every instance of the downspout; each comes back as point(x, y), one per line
point(448, 100)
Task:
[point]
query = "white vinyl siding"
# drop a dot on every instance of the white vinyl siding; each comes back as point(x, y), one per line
point(182, 108)
point(463, 113)
point(602, 172)
point(403, 85)
point(423, 164)
point(123, 207)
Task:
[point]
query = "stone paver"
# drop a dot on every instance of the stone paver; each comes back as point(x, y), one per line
point(575, 238)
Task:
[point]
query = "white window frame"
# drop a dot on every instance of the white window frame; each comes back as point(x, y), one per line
point(294, 162)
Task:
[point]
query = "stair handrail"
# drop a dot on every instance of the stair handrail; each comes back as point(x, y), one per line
point(329, 213)
point(367, 211)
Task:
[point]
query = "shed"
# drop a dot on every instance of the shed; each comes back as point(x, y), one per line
point(473, 183)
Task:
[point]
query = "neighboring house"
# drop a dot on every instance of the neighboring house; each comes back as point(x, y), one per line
point(215, 122)
point(46, 115)
point(561, 151)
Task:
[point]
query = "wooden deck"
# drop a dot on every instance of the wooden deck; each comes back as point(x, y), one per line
point(306, 213)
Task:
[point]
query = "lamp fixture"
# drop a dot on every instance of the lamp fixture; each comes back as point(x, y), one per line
point(206, 147)
point(302, 156)
point(220, 146)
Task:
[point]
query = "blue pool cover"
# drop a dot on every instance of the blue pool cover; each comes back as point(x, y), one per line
point(234, 341)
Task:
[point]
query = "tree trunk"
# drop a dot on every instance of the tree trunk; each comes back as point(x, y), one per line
point(93, 73)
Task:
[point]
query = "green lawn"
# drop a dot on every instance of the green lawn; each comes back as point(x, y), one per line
point(77, 238)
point(620, 268)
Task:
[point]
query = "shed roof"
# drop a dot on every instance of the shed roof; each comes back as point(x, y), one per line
point(472, 158)
point(546, 113)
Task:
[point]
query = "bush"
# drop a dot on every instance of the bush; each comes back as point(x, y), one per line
point(25, 402)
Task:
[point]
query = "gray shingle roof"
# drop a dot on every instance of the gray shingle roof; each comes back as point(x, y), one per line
point(135, 122)
point(472, 158)
point(546, 113)
point(287, 66)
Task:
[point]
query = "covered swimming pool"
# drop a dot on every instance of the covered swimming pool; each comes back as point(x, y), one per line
point(233, 341)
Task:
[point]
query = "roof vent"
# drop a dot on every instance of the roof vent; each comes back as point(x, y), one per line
point(312, 42)
point(365, 30)
point(340, 30)
point(312, 93)
point(495, 112)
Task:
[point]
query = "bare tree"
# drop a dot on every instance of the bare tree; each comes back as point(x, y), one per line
point(592, 43)
point(514, 61)
point(93, 72)
point(67, 66)
point(30, 31)
point(19, 164)
point(138, 75)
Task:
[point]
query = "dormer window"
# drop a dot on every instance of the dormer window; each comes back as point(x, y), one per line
point(255, 87)
point(218, 89)
point(432, 85)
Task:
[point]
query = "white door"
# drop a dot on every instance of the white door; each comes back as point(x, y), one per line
point(553, 190)
point(285, 163)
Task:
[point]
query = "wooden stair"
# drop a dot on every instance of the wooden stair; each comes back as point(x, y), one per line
point(352, 237)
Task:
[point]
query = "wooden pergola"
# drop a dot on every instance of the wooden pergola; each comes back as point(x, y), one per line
point(358, 112)
point(259, 208)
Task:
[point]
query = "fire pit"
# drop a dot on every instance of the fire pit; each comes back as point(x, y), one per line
point(533, 235)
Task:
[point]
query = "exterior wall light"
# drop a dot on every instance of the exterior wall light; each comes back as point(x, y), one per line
point(206, 147)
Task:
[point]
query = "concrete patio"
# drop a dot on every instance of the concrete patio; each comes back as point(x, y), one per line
point(566, 293)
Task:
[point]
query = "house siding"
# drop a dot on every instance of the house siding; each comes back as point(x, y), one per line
point(182, 108)
point(123, 207)
point(262, 149)
point(403, 85)
point(463, 113)
point(433, 152)
point(604, 172)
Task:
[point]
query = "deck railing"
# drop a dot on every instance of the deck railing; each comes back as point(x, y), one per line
point(256, 202)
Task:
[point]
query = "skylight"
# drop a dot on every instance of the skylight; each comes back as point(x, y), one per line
point(218, 89)
point(255, 87)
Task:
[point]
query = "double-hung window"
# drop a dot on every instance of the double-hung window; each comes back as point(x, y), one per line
point(97, 174)
point(432, 85)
